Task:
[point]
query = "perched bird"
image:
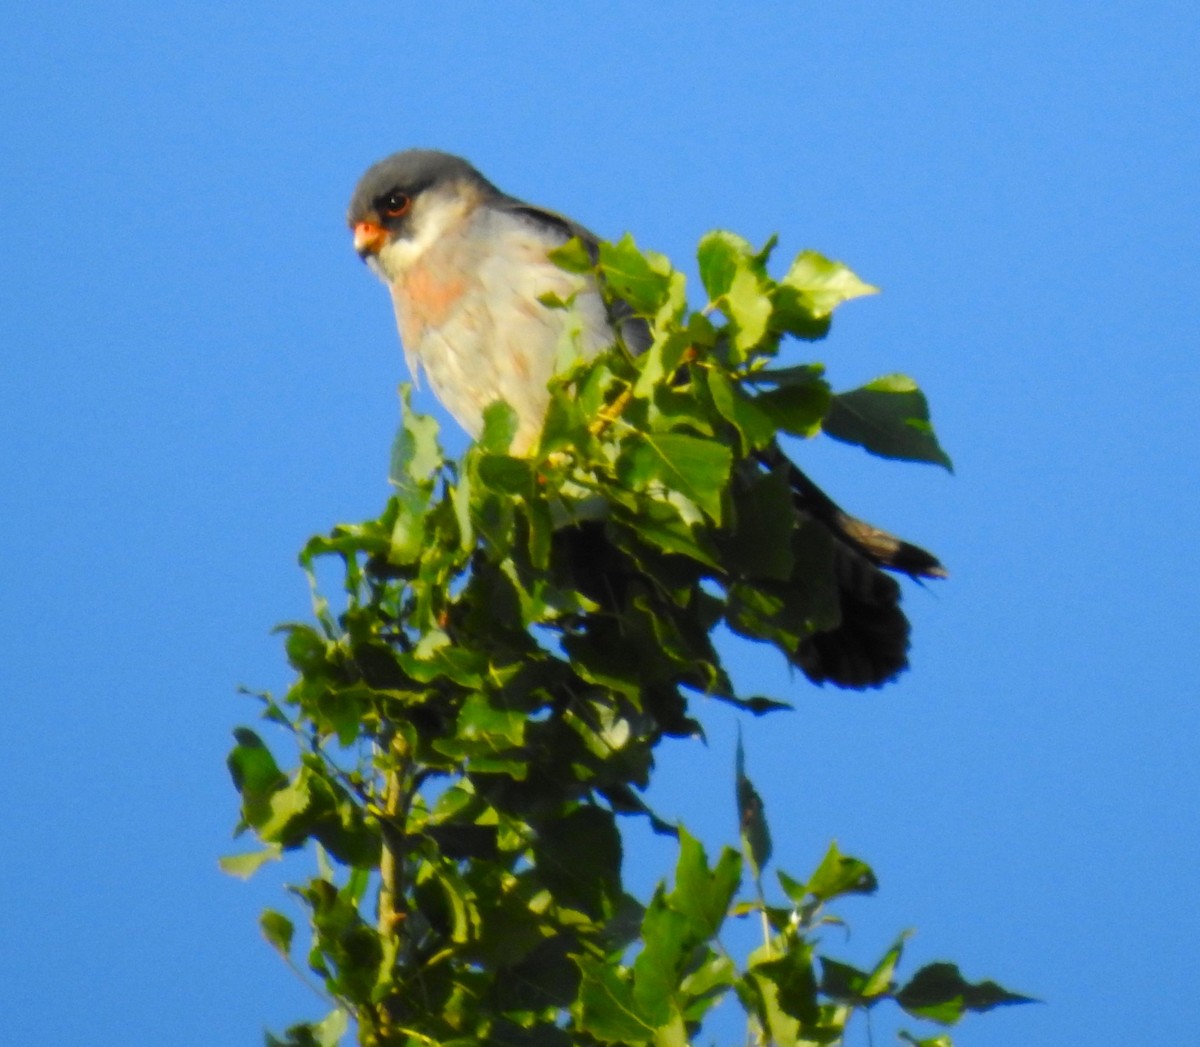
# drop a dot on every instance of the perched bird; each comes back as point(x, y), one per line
point(467, 265)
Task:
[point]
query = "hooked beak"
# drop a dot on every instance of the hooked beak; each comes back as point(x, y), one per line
point(369, 238)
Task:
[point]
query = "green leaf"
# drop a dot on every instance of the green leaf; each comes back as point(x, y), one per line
point(460, 499)
point(736, 281)
point(255, 775)
point(307, 650)
point(704, 896)
point(822, 285)
point(278, 930)
point(794, 983)
point(759, 543)
point(677, 408)
point(284, 809)
point(755, 425)
point(841, 982)
point(246, 865)
point(666, 945)
point(590, 884)
point(607, 1009)
point(565, 427)
point(837, 875)
point(660, 524)
point(695, 467)
point(301, 1035)
point(799, 402)
point(674, 303)
point(760, 994)
point(931, 1041)
point(415, 451)
point(641, 279)
point(573, 256)
point(330, 1030)
point(505, 475)
point(785, 613)
point(341, 709)
point(706, 984)
point(720, 255)
point(752, 817)
point(890, 418)
point(879, 981)
point(759, 705)
point(408, 531)
point(747, 303)
point(939, 993)
point(544, 978)
point(500, 424)
point(251, 764)
point(479, 719)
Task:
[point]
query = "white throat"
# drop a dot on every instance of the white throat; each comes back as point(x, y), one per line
point(435, 213)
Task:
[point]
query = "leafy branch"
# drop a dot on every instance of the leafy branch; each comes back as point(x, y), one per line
point(481, 705)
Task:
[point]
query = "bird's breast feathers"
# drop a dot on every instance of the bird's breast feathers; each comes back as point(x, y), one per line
point(470, 315)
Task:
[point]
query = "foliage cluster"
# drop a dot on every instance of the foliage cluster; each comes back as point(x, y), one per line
point(515, 638)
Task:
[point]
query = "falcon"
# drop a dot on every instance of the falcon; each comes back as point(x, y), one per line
point(469, 273)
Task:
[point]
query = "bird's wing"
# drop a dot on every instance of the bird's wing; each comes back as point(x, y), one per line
point(869, 646)
point(634, 329)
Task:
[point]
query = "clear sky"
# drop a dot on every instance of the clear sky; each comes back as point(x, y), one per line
point(196, 373)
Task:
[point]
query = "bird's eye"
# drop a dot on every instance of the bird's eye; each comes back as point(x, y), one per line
point(396, 204)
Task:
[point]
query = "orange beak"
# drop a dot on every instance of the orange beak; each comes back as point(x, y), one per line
point(369, 238)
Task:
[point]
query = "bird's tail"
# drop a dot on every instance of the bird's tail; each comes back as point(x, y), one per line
point(869, 645)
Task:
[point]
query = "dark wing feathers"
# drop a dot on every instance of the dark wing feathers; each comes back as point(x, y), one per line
point(869, 646)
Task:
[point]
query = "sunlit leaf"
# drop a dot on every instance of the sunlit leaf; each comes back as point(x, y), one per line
point(607, 1008)
point(330, 1030)
point(408, 531)
point(823, 284)
point(641, 279)
point(573, 256)
point(695, 467)
point(703, 895)
point(941, 1040)
point(499, 427)
point(415, 451)
point(838, 874)
point(879, 981)
point(755, 425)
point(666, 945)
point(720, 255)
point(246, 865)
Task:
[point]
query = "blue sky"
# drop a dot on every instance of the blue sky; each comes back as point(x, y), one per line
point(196, 374)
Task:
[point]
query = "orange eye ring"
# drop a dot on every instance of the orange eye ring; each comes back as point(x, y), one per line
point(397, 205)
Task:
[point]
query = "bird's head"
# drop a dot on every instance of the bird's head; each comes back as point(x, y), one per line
point(406, 202)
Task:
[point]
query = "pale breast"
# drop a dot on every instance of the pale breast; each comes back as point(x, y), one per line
point(470, 317)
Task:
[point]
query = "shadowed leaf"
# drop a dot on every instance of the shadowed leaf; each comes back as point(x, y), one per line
point(890, 418)
point(752, 816)
point(939, 993)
